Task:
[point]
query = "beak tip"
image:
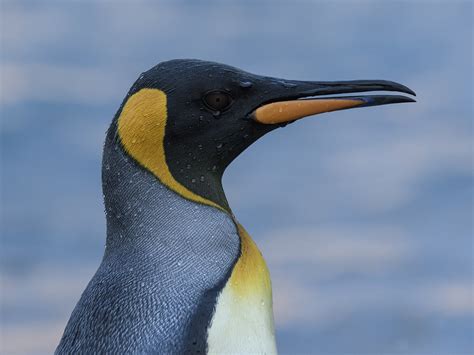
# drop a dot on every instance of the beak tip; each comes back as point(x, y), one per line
point(375, 100)
point(403, 88)
point(409, 99)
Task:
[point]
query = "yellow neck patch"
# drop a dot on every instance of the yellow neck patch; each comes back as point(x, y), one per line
point(141, 128)
point(250, 274)
point(243, 319)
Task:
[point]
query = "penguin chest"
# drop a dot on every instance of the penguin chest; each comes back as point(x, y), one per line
point(243, 317)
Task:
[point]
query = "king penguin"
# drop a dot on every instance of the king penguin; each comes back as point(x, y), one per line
point(179, 274)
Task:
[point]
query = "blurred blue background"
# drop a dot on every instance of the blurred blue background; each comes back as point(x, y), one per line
point(365, 217)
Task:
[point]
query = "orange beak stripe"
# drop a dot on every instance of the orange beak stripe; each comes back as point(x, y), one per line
point(285, 111)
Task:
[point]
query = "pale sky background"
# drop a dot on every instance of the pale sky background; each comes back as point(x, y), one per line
point(365, 216)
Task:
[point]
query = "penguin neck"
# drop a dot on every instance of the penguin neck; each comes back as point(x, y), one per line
point(218, 193)
point(206, 182)
point(136, 201)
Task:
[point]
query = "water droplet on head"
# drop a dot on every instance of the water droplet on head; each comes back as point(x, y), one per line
point(245, 84)
point(287, 84)
point(219, 146)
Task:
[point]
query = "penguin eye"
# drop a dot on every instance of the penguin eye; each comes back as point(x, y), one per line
point(217, 100)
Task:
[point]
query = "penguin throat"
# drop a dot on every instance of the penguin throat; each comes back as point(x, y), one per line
point(202, 178)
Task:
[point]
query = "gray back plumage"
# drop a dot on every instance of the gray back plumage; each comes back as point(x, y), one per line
point(165, 262)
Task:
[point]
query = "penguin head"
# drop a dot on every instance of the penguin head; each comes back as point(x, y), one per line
point(186, 120)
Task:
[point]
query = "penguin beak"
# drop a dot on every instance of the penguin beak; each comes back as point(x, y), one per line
point(306, 102)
